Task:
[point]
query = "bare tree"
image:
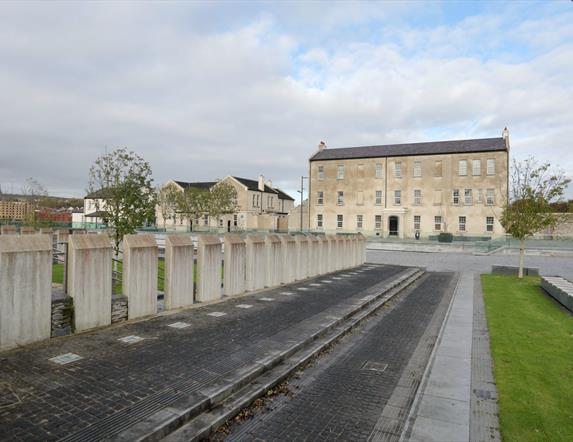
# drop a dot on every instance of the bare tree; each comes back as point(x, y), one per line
point(533, 188)
point(167, 202)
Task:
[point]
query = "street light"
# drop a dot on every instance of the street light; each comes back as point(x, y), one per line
point(301, 191)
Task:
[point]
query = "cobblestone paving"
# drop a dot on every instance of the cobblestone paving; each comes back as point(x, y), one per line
point(343, 396)
point(116, 384)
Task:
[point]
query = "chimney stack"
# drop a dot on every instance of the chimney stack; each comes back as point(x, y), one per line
point(261, 183)
point(321, 146)
point(270, 184)
point(505, 136)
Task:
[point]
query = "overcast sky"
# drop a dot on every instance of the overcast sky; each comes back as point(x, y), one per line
point(204, 90)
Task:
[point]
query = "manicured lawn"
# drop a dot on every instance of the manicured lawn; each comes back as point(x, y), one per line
point(532, 348)
point(58, 275)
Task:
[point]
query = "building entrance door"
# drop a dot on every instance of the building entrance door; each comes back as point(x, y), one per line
point(393, 226)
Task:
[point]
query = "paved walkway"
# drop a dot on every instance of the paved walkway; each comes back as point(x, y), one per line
point(363, 389)
point(127, 373)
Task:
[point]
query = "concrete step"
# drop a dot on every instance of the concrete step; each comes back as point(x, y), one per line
point(231, 399)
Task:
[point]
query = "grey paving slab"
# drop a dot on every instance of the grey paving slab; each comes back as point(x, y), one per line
point(429, 429)
point(115, 385)
point(341, 397)
point(445, 410)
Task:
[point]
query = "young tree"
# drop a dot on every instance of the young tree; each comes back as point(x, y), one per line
point(533, 188)
point(222, 200)
point(167, 202)
point(36, 194)
point(192, 203)
point(123, 182)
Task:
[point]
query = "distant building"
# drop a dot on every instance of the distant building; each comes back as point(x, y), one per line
point(260, 206)
point(15, 210)
point(402, 190)
point(296, 215)
point(94, 214)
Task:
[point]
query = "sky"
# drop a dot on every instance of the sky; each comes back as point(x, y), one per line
point(206, 90)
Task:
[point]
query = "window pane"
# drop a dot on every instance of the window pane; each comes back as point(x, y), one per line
point(378, 170)
point(398, 169)
point(476, 167)
point(463, 168)
point(339, 221)
point(340, 173)
point(417, 168)
point(397, 197)
point(378, 221)
point(378, 197)
point(340, 198)
point(417, 197)
point(320, 172)
point(468, 197)
point(491, 166)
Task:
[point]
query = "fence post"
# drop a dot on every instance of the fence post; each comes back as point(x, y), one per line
point(209, 257)
point(235, 256)
point(139, 274)
point(25, 289)
point(288, 260)
point(255, 262)
point(90, 280)
point(179, 271)
point(273, 260)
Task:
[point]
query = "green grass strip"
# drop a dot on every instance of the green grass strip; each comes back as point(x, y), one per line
point(532, 349)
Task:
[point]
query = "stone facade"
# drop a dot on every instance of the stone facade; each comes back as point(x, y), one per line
point(379, 191)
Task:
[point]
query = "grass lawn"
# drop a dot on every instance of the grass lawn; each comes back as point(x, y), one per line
point(58, 275)
point(532, 349)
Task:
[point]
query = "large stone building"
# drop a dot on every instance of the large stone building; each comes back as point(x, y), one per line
point(260, 206)
point(15, 210)
point(403, 189)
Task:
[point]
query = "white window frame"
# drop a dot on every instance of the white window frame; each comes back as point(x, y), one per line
point(339, 221)
point(488, 224)
point(476, 167)
point(462, 221)
point(438, 221)
point(463, 167)
point(320, 198)
point(340, 172)
point(397, 197)
point(340, 198)
point(417, 169)
point(319, 220)
point(359, 221)
point(377, 222)
point(468, 197)
point(397, 169)
point(417, 222)
point(490, 166)
point(378, 198)
point(490, 197)
point(456, 197)
point(379, 171)
point(320, 173)
point(417, 197)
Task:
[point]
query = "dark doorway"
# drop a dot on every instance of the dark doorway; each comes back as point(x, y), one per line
point(229, 226)
point(393, 226)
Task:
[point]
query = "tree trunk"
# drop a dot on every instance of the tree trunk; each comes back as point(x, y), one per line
point(521, 257)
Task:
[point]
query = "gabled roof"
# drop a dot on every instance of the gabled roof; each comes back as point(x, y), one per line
point(283, 195)
point(204, 185)
point(408, 149)
point(253, 184)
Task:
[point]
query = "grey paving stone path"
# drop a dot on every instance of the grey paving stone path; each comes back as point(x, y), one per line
point(116, 384)
point(364, 388)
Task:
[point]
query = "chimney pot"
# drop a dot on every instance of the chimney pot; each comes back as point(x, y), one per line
point(261, 183)
point(321, 145)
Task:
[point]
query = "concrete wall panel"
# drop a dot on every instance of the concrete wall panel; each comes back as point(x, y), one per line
point(273, 261)
point(288, 259)
point(140, 274)
point(234, 279)
point(89, 276)
point(179, 270)
point(255, 273)
point(25, 289)
point(209, 260)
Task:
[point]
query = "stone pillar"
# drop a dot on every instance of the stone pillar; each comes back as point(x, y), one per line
point(288, 259)
point(301, 257)
point(140, 256)
point(25, 289)
point(273, 260)
point(322, 265)
point(235, 265)
point(25, 230)
point(313, 255)
point(255, 273)
point(89, 280)
point(8, 230)
point(179, 270)
point(209, 258)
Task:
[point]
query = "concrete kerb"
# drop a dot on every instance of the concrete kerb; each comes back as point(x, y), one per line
point(159, 425)
point(408, 425)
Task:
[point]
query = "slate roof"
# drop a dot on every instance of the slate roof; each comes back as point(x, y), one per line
point(283, 195)
point(254, 185)
point(205, 185)
point(408, 149)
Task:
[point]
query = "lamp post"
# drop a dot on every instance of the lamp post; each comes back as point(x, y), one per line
point(301, 191)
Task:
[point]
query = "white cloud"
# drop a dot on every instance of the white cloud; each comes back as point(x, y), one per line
point(202, 95)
